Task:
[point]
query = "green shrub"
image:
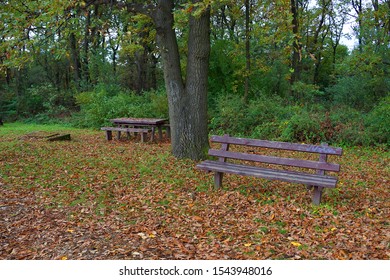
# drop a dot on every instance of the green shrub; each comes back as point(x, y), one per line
point(268, 117)
point(304, 127)
point(229, 113)
point(260, 118)
point(101, 105)
point(361, 92)
point(307, 93)
point(378, 122)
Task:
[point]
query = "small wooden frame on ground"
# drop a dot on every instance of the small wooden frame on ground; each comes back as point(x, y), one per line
point(45, 135)
point(128, 130)
point(59, 137)
point(318, 181)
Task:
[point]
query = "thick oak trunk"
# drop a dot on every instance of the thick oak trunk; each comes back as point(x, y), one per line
point(187, 100)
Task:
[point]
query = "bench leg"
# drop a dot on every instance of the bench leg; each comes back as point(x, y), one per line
point(118, 135)
point(109, 135)
point(143, 136)
point(218, 176)
point(317, 194)
point(152, 137)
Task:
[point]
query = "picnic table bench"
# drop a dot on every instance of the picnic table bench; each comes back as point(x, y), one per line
point(318, 180)
point(109, 131)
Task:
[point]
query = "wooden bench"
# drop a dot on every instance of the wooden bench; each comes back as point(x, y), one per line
point(317, 180)
point(109, 131)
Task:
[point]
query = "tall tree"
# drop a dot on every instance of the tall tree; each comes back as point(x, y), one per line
point(187, 95)
point(296, 61)
point(247, 48)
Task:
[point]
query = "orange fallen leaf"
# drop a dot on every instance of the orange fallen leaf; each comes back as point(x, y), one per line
point(197, 218)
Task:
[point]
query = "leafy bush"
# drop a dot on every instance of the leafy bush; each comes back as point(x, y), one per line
point(378, 122)
point(261, 118)
point(361, 92)
point(101, 105)
point(8, 105)
point(307, 93)
point(303, 127)
point(229, 114)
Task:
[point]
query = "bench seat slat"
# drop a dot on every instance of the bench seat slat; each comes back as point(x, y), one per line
point(277, 145)
point(126, 129)
point(277, 160)
point(271, 174)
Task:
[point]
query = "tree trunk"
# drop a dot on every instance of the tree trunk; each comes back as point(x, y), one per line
point(187, 101)
point(297, 47)
point(358, 7)
point(76, 64)
point(247, 50)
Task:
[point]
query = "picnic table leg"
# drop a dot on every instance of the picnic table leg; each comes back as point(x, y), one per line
point(152, 137)
point(118, 133)
point(143, 136)
point(160, 132)
point(128, 136)
point(168, 131)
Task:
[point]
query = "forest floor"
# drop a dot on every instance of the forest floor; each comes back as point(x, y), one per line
point(89, 198)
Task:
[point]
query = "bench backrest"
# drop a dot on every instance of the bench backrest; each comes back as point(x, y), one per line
point(321, 165)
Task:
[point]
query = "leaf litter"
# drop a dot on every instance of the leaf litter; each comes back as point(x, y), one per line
point(94, 199)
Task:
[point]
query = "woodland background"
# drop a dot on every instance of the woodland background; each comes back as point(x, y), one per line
point(277, 69)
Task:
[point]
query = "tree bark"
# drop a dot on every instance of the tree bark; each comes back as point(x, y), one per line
point(296, 62)
point(76, 64)
point(247, 50)
point(187, 101)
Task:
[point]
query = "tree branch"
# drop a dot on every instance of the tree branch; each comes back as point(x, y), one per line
point(142, 8)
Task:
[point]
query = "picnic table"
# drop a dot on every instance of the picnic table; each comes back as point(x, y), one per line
point(152, 123)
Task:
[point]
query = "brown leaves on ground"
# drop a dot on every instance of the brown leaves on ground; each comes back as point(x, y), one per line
point(94, 199)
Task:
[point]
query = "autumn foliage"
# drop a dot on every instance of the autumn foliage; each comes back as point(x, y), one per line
point(92, 199)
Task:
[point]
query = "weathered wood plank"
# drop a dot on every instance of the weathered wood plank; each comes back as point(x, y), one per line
point(277, 145)
point(240, 167)
point(276, 160)
point(125, 129)
point(109, 131)
point(270, 174)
